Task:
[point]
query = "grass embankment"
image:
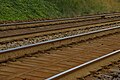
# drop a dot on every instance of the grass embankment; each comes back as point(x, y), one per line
point(32, 9)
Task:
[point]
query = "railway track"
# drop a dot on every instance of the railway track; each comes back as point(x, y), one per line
point(24, 37)
point(22, 25)
point(6, 44)
point(45, 59)
point(73, 22)
point(96, 69)
point(17, 32)
point(60, 53)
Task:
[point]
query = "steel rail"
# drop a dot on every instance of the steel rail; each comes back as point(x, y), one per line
point(84, 64)
point(61, 19)
point(105, 23)
point(58, 39)
point(42, 21)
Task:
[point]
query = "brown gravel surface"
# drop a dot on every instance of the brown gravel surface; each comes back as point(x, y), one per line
point(48, 63)
point(110, 72)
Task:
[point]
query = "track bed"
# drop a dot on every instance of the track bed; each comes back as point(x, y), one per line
point(48, 63)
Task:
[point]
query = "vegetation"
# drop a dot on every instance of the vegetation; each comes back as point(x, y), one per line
point(32, 9)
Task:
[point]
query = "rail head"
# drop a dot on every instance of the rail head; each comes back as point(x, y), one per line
point(41, 21)
point(58, 39)
point(82, 65)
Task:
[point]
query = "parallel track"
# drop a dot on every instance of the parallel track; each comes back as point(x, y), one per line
point(39, 29)
point(43, 60)
point(14, 39)
point(62, 58)
point(20, 36)
point(60, 41)
point(90, 76)
point(63, 19)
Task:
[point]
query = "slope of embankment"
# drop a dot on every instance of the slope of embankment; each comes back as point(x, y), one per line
point(33, 9)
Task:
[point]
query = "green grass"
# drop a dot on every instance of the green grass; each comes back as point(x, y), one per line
point(33, 9)
point(26, 9)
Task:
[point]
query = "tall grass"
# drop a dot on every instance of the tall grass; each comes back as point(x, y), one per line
point(32, 9)
point(26, 9)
